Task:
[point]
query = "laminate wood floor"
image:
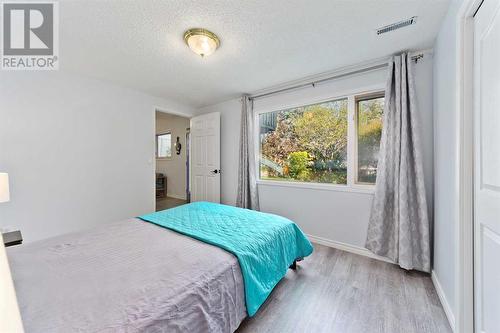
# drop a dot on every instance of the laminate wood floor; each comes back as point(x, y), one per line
point(336, 291)
point(168, 202)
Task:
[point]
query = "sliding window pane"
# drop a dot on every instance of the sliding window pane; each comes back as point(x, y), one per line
point(369, 131)
point(305, 144)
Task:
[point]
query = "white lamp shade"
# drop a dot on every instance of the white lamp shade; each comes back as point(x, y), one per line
point(4, 187)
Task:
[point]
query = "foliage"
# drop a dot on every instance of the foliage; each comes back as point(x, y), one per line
point(322, 132)
point(298, 163)
point(338, 176)
point(281, 142)
point(369, 134)
point(369, 140)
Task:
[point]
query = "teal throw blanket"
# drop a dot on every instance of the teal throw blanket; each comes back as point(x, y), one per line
point(265, 244)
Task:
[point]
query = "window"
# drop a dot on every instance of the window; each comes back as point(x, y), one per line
point(333, 142)
point(164, 145)
point(369, 110)
point(306, 144)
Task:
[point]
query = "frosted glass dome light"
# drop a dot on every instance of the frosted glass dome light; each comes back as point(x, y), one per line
point(201, 41)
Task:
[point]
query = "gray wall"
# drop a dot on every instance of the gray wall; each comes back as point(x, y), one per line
point(79, 152)
point(446, 154)
point(335, 216)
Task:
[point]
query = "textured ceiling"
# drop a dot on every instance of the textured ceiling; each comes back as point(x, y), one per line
point(138, 44)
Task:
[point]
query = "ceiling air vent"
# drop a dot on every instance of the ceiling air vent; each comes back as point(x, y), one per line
point(397, 25)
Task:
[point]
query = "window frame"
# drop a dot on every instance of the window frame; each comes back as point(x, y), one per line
point(352, 185)
point(156, 150)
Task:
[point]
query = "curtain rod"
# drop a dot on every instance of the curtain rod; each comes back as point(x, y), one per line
point(415, 58)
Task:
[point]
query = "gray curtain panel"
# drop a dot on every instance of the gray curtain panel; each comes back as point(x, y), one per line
point(247, 196)
point(399, 224)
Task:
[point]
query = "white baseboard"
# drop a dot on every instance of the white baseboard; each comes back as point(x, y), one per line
point(444, 302)
point(176, 196)
point(347, 247)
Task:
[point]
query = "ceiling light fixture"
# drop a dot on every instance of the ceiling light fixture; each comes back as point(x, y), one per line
point(201, 41)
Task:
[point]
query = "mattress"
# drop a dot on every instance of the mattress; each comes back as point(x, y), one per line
point(265, 244)
point(129, 276)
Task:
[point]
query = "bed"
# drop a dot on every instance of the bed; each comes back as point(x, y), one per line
point(156, 273)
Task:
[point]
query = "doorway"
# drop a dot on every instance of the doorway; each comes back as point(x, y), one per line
point(172, 160)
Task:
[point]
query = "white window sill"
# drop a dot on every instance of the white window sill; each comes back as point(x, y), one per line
point(365, 189)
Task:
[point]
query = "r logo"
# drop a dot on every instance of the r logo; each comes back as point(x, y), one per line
point(28, 29)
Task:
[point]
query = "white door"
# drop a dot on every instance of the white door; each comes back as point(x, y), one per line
point(205, 157)
point(487, 167)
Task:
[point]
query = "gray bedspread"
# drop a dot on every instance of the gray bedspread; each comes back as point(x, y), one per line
point(130, 276)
